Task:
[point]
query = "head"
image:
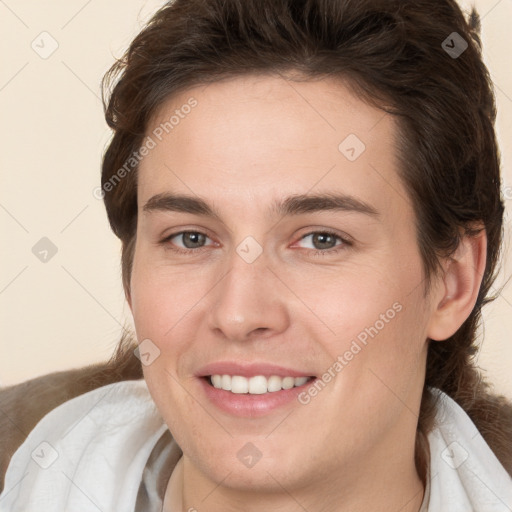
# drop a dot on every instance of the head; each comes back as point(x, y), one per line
point(251, 105)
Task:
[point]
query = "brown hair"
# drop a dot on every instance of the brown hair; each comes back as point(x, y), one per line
point(392, 53)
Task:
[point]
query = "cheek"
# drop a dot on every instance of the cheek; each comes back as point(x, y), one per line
point(166, 305)
point(154, 296)
point(379, 322)
point(361, 304)
point(152, 312)
point(388, 371)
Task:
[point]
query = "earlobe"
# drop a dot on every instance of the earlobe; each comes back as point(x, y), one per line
point(459, 288)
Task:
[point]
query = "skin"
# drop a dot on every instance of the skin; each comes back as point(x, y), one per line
point(249, 141)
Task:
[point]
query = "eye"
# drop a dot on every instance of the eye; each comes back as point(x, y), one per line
point(190, 240)
point(325, 240)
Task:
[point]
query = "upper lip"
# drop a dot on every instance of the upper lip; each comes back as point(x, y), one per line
point(249, 370)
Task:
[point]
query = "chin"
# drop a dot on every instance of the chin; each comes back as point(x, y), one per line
point(251, 465)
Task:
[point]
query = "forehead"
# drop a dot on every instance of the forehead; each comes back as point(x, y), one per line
point(252, 139)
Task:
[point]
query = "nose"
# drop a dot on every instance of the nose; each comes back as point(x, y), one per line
point(249, 302)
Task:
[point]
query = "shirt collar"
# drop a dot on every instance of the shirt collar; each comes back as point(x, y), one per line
point(156, 474)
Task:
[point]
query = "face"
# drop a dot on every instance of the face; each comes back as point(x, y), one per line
point(265, 281)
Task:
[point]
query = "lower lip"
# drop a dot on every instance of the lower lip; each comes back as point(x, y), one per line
point(252, 406)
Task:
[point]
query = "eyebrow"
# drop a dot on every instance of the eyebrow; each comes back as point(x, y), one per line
point(290, 206)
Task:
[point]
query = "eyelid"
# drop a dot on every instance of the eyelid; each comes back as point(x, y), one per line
point(346, 243)
point(328, 231)
point(166, 239)
point(307, 235)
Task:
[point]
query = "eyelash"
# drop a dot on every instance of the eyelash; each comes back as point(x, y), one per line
point(315, 252)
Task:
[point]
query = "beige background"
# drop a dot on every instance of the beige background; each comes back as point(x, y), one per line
point(68, 311)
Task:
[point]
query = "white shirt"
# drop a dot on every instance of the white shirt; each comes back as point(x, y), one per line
point(109, 450)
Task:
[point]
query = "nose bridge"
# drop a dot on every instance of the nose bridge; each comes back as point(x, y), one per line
point(247, 297)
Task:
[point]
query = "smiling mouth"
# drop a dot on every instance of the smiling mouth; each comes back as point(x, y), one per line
point(257, 385)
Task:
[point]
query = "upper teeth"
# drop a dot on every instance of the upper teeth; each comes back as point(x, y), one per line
point(255, 385)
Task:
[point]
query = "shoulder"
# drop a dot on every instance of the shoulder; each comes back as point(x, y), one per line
point(464, 472)
point(23, 405)
point(73, 455)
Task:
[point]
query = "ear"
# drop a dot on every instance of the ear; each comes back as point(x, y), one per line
point(456, 296)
